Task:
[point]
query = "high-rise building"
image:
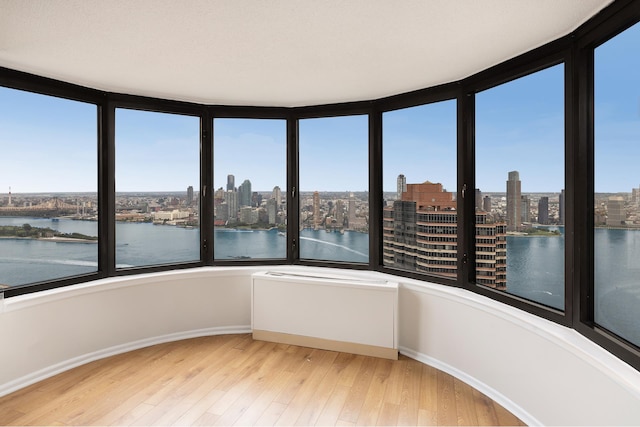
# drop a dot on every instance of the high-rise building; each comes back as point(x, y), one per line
point(419, 235)
point(316, 210)
point(486, 204)
point(256, 199)
point(277, 195)
point(189, 195)
point(514, 203)
point(272, 210)
point(561, 212)
point(401, 186)
point(429, 195)
point(231, 199)
point(339, 213)
point(543, 210)
point(616, 214)
point(352, 211)
point(526, 209)
point(231, 182)
point(244, 193)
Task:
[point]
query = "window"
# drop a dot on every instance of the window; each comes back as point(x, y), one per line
point(334, 189)
point(520, 186)
point(617, 185)
point(250, 177)
point(419, 189)
point(48, 202)
point(157, 188)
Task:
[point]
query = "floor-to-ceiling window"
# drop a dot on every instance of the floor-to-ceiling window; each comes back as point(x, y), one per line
point(419, 209)
point(520, 187)
point(157, 188)
point(250, 193)
point(334, 188)
point(616, 219)
point(48, 187)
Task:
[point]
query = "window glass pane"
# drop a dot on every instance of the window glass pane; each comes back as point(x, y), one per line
point(250, 178)
point(48, 188)
point(157, 188)
point(419, 183)
point(520, 187)
point(617, 185)
point(334, 189)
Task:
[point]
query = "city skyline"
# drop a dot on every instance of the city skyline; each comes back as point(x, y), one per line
point(50, 144)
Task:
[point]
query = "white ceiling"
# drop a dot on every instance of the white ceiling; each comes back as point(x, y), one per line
point(275, 52)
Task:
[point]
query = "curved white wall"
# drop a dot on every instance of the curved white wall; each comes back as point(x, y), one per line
point(542, 372)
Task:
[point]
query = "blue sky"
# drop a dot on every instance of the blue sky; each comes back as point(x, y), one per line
point(49, 144)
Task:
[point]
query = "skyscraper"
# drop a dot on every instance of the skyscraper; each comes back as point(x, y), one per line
point(616, 214)
point(339, 213)
point(277, 195)
point(514, 202)
point(420, 234)
point(189, 195)
point(543, 210)
point(352, 211)
point(526, 209)
point(231, 199)
point(231, 183)
point(244, 193)
point(402, 186)
point(486, 204)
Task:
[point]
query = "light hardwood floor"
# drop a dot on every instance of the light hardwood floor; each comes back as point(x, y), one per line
point(234, 380)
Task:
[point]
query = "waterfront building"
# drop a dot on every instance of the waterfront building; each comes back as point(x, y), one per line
point(352, 211)
point(189, 195)
point(277, 195)
point(339, 213)
point(616, 214)
point(543, 210)
point(514, 204)
point(272, 210)
point(231, 198)
point(244, 193)
point(526, 209)
point(316, 210)
point(420, 234)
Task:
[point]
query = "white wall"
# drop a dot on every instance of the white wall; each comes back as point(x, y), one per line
point(542, 372)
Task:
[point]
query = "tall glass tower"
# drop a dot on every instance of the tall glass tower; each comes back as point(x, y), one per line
point(514, 202)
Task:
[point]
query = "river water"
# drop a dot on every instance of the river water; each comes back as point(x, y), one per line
point(535, 265)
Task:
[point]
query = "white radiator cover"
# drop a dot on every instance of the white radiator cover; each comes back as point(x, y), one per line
point(326, 311)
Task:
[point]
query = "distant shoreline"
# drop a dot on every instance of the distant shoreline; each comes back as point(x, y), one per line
point(50, 239)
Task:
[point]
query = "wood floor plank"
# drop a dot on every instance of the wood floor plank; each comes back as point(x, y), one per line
point(358, 393)
point(428, 404)
point(465, 404)
point(333, 407)
point(447, 410)
point(485, 411)
point(374, 397)
point(234, 380)
point(410, 394)
point(316, 368)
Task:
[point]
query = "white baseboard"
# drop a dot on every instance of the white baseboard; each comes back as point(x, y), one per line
point(52, 370)
point(498, 397)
